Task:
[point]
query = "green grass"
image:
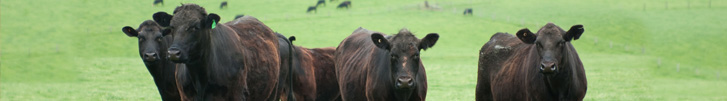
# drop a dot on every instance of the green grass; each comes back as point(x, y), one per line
point(74, 49)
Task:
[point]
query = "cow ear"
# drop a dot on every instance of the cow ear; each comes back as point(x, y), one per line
point(166, 31)
point(526, 36)
point(380, 41)
point(428, 41)
point(130, 31)
point(574, 33)
point(211, 21)
point(163, 18)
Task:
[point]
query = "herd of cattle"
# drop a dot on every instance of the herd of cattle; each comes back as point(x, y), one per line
point(193, 57)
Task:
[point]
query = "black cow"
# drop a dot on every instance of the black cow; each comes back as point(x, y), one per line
point(223, 4)
point(542, 66)
point(311, 8)
point(323, 2)
point(239, 16)
point(152, 45)
point(468, 11)
point(156, 2)
point(344, 4)
point(374, 67)
point(237, 60)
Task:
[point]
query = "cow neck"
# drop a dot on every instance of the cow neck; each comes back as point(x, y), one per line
point(197, 66)
point(560, 84)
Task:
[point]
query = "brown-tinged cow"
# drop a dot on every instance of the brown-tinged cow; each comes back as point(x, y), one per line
point(312, 72)
point(375, 67)
point(237, 60)
point(532, 66)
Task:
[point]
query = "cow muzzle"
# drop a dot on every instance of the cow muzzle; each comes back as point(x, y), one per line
point(150, 57)
point(174, 55)
point(548, 68)
point(404, 82)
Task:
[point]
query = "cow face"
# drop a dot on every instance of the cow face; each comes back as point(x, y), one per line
point(550, 42)
point(403, 49)
point(190, 27)
point(151, 37)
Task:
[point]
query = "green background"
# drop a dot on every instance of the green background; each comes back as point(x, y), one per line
point(75, 49)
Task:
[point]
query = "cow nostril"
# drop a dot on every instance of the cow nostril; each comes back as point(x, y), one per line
point(173, 52)
point(150, 54)
point(405, 80)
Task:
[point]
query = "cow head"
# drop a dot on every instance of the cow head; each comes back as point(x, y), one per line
point(550, 42)
point(151, 37)
point(191, 26)
point(403, 49)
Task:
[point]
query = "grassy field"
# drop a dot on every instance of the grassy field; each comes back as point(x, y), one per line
point(632, 49)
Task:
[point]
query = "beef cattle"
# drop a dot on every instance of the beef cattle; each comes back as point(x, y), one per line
point(156, 2)
point(152, 50)
point(239, 16)
point(311, 8)
point(223, 4)
point(468, 11)
point(374, 67)
point(541, 66)
point(312, 72)
point(237, 60)
point(344, 4)
point(321, 2)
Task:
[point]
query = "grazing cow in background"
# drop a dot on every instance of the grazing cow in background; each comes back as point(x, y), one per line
point(223, 4)
point(468, 11)
point(321, 2)
point(239, 16)
point(314, 71)
point(311, 8)
point(237, 60)
point(374, 67)
point(344, 4)
point(152, 47)
point(541, 66)
point(156, 2)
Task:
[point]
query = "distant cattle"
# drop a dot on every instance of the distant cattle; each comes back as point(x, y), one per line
point(239, 16)
point(540, 66)
point(311, 8)
point(321, 2)
point(237, 60)
point(375, 67)
point(344, 4)
point(156, 2)
point(468, 11)
point(152, 50)
point(223, 4)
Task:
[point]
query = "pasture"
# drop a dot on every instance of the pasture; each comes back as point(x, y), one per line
point(631, 49)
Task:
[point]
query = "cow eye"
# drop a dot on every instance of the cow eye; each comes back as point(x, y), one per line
point(192, 28)
point(159, 39)
point(539, 45)
point(141, 39)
